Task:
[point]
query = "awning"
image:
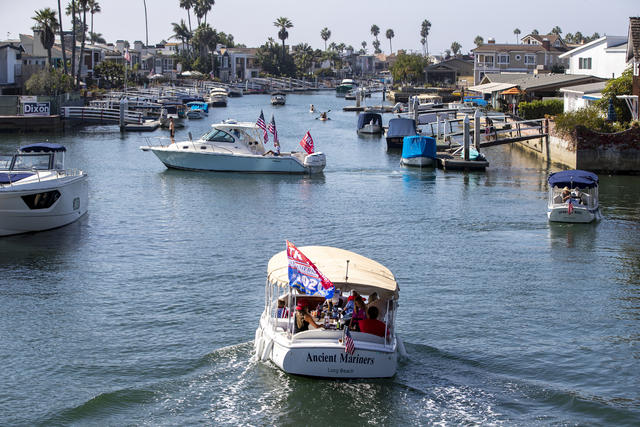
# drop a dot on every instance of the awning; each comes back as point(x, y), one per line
point(573, 178)
point(365, 275)
point(512, 91)
point(491, 87)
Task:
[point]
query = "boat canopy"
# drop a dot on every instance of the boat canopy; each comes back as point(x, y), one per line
point(42, 147)
point(401, 127)
point(573, 178)
point(364, 275)
point(278, 93)
point(366, 118)
point(418, 146)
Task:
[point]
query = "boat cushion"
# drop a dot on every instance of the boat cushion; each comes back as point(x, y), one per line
point(7, 178)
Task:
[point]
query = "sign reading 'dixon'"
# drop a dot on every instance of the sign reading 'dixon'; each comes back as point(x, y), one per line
point(36, 109)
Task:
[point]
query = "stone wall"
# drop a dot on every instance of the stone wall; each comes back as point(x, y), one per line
point(608, 152)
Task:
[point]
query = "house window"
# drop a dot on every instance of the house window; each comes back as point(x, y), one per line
point(530, 59)
point(503, 59)
point(584, 63)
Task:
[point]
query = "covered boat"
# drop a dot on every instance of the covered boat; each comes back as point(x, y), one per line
point(37, 192)
point(418, 151)
point(233, 146)
point(369, 124)
point(326, 351)
point(345, 86)
point(197, 110)
point(278, 98)
point(398, 129)
point(573, 196)
point(218, 97)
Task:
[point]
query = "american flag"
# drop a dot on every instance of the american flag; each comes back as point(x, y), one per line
point(349, 346)
point(127, 56)
point(262, 125)
point(307, 143)
point(570, 207)
point(272, 128)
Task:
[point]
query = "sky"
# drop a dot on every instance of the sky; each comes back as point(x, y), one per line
point(251, 21)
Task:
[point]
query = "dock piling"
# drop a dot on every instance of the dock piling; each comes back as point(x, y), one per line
point(466, 131)
point(476, 130)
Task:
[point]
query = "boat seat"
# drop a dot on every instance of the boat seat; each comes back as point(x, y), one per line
point(557, 199)
point(318, 334)
point(361, 336)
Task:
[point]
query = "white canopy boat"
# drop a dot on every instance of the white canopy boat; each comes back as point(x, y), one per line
point(218, 97)
point(278, 98)
point(573, 196)
point(321, 352)
point(36, 191)
point(233, 146)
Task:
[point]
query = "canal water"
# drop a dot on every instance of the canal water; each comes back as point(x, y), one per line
point(144, 311)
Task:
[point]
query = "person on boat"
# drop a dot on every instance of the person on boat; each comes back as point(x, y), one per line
point(282, 310)
point(172, 129)
point(349, 306)
point(359, 313)
point(372, 325)
point(378, 303)
point(566, 194)
point(312, 109)
point(323, 115)
point(303, 319)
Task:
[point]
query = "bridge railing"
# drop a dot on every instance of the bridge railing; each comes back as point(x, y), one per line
point(100, 115)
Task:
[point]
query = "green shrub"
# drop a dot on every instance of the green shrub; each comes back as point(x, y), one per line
point(538, 109)
point(590, 117)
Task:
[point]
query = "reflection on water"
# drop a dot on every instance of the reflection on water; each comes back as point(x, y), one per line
point(571, 236)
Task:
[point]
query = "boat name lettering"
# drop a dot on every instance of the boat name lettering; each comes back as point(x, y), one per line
point(347, 358)
point(322, 358)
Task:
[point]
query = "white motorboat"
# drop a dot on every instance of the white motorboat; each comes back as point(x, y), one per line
point(36, 191)
point(233, 146)
point(573, 196)
point(323, 352)
point(278, 98)
point(218, 97)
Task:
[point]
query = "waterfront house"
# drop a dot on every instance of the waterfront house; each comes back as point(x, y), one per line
point(449, 71)
point(582, 96)
point(603, 57)
point(494, 58)
point(237, 63)
point(632, 57)
point(10, 67)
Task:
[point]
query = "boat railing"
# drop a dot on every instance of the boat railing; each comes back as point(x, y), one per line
point(62, 173)
point(162, 139)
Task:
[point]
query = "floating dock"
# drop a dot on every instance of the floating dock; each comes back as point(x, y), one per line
point(447, 161)
point(146, 126)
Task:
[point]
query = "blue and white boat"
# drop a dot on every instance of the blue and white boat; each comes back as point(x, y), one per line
point(197, 110)
point(418, 151)
point(369, 124)
point(573, 196)
point(36, 191)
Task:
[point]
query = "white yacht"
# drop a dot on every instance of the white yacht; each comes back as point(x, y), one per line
point(573, 196)
point(233, 146)
point(36, 191)
point(278, 98)
point(324, 352)
point(218, 97)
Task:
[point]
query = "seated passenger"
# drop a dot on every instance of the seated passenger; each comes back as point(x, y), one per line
point(282, 310)
point(566, 194)
point(303, 319)
point(372, 325)
point(378, 303)
point(348, 308)
point(359, 313)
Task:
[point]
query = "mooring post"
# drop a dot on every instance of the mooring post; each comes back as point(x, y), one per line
point(445, 130)
point(438, 126)
point(123, 111)
point(476, 130)
point(466, 129)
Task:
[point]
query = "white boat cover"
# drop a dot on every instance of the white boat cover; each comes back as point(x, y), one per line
point(365, 275)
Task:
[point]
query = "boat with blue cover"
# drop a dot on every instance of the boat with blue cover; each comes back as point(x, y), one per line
point(37, 192)
point(398, 129)
point(419, 151)
point(573, 196)
point(369, 123)
point(197, 110)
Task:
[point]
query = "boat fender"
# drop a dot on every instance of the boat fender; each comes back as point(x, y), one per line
point(401, 348)
point(267, 350)
point(257, 343)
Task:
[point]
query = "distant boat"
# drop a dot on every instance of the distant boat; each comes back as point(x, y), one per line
point(197, 110)
point(398, 129)
point(418, 151)
point(218, 97)
point(37, 193)
point(278, 98)
point(573, 196)
point(369, 124)
point(345, 86)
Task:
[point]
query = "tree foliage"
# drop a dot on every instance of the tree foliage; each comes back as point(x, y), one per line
point(409, 68)
point(621, 86)
point(49, 82)
point(273, 62)
point(110, 74)
point(538, 109)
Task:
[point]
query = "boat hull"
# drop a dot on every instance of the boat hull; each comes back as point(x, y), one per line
point(395, 142)
point(418, 161)
point(370, 129)
point(579, 215)
point(223, 162)
point(17, 218)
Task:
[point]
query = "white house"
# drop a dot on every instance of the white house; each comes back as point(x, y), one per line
point(9, 62)
point(582, 96)
point(604, 57)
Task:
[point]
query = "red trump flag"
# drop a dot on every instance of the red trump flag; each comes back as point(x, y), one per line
point(307, 143)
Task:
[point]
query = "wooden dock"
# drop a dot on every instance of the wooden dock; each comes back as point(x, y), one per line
point(31, 123)
point(448, 161)
point(145, 126)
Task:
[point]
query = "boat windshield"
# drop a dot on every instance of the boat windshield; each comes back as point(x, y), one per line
point(218, 135)
point(32, 161)
point(5, 162)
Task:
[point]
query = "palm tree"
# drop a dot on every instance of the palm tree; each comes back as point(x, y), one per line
point(364, 46)
point(478, 41)
point(283, 23)
point(517, 33)
point(535, 32)
point(84, 6)
point(455, 48)
point(201, 8)
point(376, 46)
point(71, 10)
point(94, 7)
point(556, 30)
point(187, 5)
point(96, 38)
point(424, 33)
point(47, 25)
point(64, 51)
point(390, 34)
point(375, 30)
point(325, 34)
point(180, 31)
